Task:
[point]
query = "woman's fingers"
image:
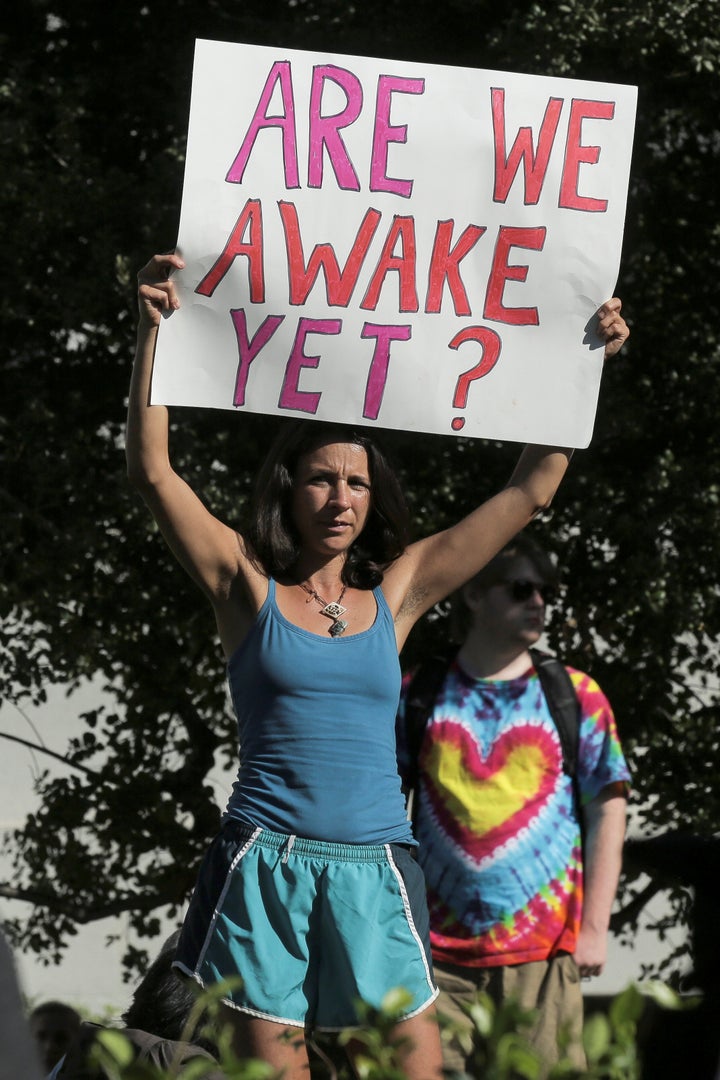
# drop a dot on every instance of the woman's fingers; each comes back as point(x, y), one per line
point(156, 290)
point(612, 327)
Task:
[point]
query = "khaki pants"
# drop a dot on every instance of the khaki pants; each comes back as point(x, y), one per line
point(549, 987)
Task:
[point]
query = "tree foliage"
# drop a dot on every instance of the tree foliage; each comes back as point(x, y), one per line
point(94, 112)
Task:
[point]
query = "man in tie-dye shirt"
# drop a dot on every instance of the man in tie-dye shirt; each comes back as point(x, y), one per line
point(519, 905)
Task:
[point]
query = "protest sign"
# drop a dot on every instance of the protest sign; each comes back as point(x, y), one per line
point(396, 244)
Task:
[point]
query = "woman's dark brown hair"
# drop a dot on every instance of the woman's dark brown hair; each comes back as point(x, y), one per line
point(271, 535)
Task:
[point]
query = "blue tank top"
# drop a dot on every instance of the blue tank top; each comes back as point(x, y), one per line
point(316, 724)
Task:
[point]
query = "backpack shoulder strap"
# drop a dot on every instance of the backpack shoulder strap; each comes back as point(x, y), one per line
point(563, 704)
point(420, 696)
point(565, 710)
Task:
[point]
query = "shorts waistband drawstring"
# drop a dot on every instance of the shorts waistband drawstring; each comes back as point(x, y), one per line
point(285, 843)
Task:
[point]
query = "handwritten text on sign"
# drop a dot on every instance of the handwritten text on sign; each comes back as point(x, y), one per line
point(366, 241)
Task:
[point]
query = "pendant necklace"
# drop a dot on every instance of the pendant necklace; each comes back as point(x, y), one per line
point(331, 610)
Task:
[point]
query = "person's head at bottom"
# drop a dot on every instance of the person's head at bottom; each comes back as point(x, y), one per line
point(53, 1025)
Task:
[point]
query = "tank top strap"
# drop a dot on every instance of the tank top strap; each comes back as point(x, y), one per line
point(382, 606)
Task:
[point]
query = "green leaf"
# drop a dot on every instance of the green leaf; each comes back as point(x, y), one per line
point(596, 1037)
point(627, 1007)
point(396, 1001)
point(666, 997)
point(117, 1045)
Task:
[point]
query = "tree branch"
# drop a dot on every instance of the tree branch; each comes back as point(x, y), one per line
point(628, 914)
point(50, 753)
point(147, 901)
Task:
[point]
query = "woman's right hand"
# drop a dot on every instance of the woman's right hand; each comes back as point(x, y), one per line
point(156, 290)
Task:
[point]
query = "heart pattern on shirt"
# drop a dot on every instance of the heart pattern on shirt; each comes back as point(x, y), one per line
point(482, 802)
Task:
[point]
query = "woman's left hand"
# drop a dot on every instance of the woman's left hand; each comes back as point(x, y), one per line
point(612, 327)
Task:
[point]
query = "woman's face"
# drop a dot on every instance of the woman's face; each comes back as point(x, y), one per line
point(331, 497)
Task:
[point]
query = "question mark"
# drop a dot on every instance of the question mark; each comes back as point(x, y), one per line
point(491, 344)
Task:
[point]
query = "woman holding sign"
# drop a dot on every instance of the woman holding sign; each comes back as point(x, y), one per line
point(310, 892)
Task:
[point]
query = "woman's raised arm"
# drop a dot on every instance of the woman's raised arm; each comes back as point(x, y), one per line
point(209, 550)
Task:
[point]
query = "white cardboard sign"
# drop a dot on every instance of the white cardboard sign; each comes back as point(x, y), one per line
point(395, 244)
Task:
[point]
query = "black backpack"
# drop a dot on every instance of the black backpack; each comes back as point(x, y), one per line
point(557, 687)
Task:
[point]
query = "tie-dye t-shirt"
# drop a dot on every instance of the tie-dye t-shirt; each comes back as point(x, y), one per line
point(499, 840)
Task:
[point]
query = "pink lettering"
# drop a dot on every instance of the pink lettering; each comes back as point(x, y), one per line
point(325, 130)
point(280, 73)
point(385, 133)
point(377, 376)
point(291, 396)
point(249, 349)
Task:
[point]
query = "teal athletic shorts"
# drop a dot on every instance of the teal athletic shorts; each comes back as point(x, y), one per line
point(311, 927)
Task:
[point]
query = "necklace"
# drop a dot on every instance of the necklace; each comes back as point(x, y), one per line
point(331, 610)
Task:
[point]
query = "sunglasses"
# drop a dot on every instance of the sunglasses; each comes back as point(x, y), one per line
point(521, 589)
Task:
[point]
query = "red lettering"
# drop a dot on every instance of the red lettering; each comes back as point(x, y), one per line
point(576, 154)
point(403, 230)
point(250, 220)
point(444, 266)
point(490, 344)
point(534, 165)
point(339, 284)
point(510, 237)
